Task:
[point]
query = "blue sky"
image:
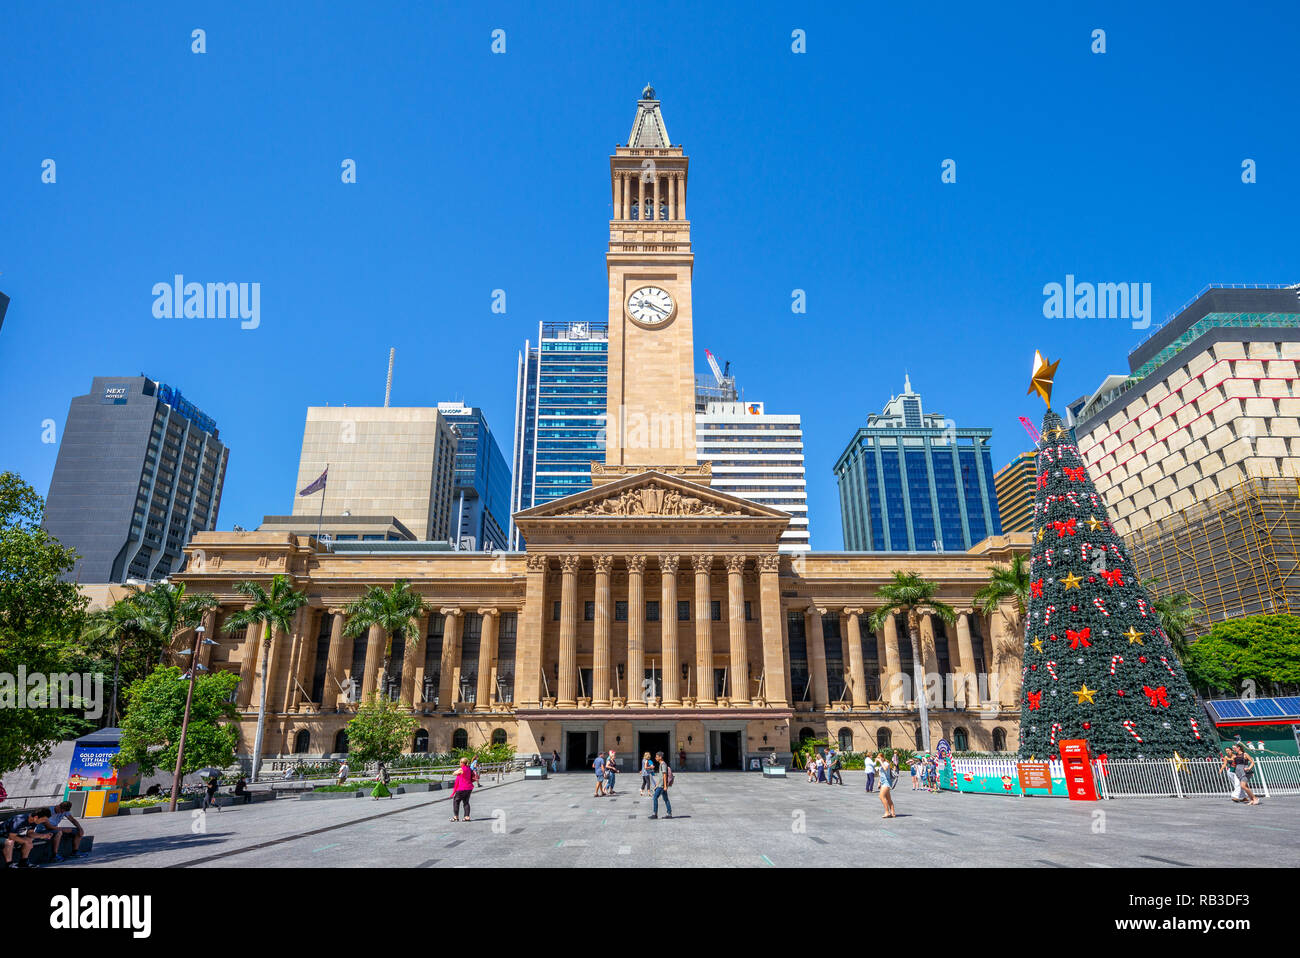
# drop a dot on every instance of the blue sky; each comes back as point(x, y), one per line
point(477, 171)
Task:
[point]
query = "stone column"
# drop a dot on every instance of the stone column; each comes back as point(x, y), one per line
point(601, 685)
point(627, 196)
point(891, 683)
point(248, 666)
point(448, 692)
point(528, 650)
point(487, 658)
point(640, 207)
point(738, 676)
point(681, 198)
point(635, 631)
point(929, 658)
point(654, 212)
point(769, 596)
point(857, 667)
point(965, 670)
point(816, 655)
point(336, 663)
point(374, 662)
point(668, 565)
point(413, 661)
point(567, 695)
point(703, 631)
point(300, 685)
point(1005, 640)
point(672, 196)
point(209, 632)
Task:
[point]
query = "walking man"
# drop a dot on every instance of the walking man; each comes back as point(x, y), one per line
point(611, 771)
point(599, 767)
point(663, 781)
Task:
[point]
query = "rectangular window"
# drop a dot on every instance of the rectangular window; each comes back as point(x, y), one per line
point(683, 610)
point(715, 610)
point(749, 612)
point(620, 611)
point(652, 611)
point(555, 611)
point(588, 611)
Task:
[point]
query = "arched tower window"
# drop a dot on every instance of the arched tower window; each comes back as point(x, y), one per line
point(846, 740)
point(499, 736)
point(341, 741)
point(960, 740)
point(460, 738)
point(999, 740)
point(884, 739)
point(421, 743)
point(302, 742)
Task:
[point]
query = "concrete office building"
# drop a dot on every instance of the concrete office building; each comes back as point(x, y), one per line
point(911, 481)
point(481, 489)
point(139, 472)
point(560, 397)
point(389, 463)
point(1196, 451)
point(757, 456)
point(1014, 484)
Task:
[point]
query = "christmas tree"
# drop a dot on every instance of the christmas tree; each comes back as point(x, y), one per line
point(1096, 664)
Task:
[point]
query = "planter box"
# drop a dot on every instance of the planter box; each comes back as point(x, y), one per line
point(323, 796)
point(160, 807)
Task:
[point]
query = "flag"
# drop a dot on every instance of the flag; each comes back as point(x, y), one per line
point(316, 486)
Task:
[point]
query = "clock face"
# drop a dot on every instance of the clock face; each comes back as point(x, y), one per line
point(650, 305)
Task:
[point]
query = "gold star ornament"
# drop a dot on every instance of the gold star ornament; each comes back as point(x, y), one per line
point(1037, 645)
point(1041, 379)
point(1071, 581)
point(1133, 635)
point(1085, 694)
point(1093, 524)
point(1040, 533)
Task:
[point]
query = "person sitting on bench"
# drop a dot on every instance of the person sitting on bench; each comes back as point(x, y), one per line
point(20, 830)
point(65, 829)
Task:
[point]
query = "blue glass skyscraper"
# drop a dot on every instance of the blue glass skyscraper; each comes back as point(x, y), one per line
point(912, 481)
point(559, 413)
point(480, 497)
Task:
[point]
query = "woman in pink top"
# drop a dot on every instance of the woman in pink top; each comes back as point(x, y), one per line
point(460, 791)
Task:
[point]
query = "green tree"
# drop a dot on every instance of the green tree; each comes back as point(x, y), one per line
point(112, 631)
point(155, 708)
point(1257, 653)
point(396, 610)
point(1175, 613)
point(41, 614)
point(1006, 582)
point(271, 610)
point(380, 731)
point(169, 611)
point(910, 595)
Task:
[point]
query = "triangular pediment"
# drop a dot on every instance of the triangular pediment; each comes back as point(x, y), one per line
point(651, 495)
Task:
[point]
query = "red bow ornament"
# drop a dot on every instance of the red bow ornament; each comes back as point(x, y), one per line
point(1156, 697)
point(1079, 638)
point(1063, 527)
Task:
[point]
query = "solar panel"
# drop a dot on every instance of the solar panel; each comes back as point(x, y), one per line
point(1263, 708)
point(1229, 708)
point(1290, 705)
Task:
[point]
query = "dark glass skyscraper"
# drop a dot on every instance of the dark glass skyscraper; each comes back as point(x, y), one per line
point(140, 470)
point(480, 495)
point(913, 482)
point(559, 413)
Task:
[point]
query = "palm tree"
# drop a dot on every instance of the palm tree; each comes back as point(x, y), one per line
point(1175, 614)
point(397, 610)
point(122, 624)
point(909, 595)
point(1006, 582)
point(273, 610)
point(170, 611)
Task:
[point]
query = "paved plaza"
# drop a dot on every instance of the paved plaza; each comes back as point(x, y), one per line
point(722, 819)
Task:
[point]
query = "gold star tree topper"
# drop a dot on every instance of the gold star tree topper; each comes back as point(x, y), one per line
point(1041, 378)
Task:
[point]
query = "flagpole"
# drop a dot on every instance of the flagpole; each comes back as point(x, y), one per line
point(321, 516)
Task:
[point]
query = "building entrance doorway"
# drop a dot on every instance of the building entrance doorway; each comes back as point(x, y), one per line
point(726, 751)
point(579, 751)
point(653, 742)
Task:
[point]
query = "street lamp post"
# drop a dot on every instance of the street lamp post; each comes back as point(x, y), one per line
point(199, 640)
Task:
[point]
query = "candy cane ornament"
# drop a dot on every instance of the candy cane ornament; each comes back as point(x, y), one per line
point(1128, 724)
point(1196, 730)
point(1056, 727)
point(1142, 607)
point(1051, 670)
point(1101, 606)
point(1047, 618)
point(1168, 668)
point(1115, 660)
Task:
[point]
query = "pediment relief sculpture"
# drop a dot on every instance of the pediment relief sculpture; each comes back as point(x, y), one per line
point(654, 500)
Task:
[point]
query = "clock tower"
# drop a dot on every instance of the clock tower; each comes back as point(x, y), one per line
point(651, 394)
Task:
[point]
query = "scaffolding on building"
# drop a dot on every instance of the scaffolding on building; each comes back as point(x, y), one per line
point(1236, 553)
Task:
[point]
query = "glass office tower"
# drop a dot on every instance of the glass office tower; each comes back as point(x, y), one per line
point(480, 497)
point(913, 482)
point(559, 413)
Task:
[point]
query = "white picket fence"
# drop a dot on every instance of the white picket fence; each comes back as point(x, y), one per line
point(1190, 778)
